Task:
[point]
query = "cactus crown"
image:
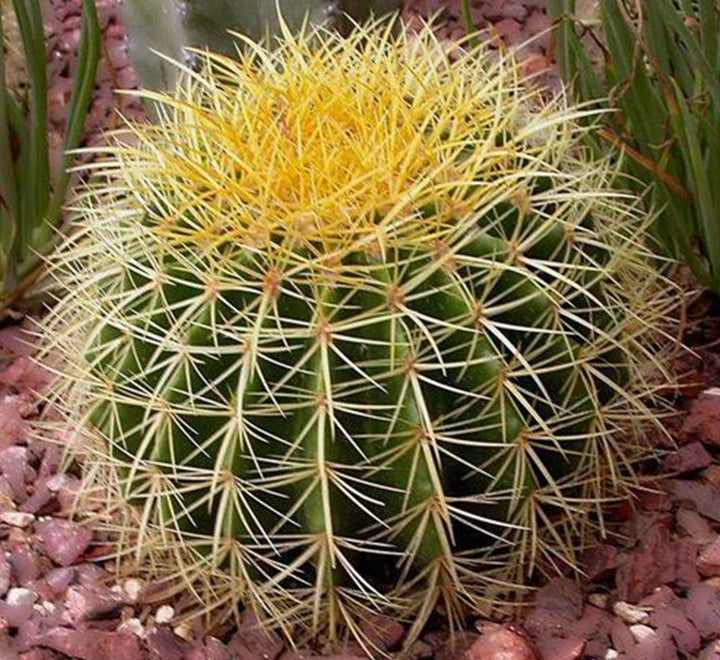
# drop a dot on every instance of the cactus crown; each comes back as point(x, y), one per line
point(357, 326)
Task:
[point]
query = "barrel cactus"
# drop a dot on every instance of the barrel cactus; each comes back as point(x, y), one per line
point(357, 326)
point(176, 27)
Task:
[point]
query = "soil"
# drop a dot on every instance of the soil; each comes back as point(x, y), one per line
point(651, 588)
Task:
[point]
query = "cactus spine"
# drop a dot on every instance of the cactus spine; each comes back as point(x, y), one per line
point(176, 27)
point(357, 327)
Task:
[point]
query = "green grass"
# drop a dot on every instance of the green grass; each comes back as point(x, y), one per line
point(660, 73)
point(31, 199)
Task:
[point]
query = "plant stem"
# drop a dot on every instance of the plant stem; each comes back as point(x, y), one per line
point(469, 23)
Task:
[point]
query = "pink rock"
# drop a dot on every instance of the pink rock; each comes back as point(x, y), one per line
point(6, 491)
point(535, 63)
point(50, 463)
point(704, 496)
point(710, 652)
point(651, 565)
point(38, 654)
point(688, 458)
point(702, 607)
point(709, 560)
point(655, 501)
point(40, 498)
point(537, 22)
point(25, 564)
point(213, 649)
point(516, 10)
point(561, 595)
point(560, 648)
point(84, 603)
point(164, 644)
point(542, 621)
point(93, 644)
point(251, 641)
point(15, 615)
point(15, 468)
point(383, 632)
point(600, 562)
point(15, 340)
point(660, 597)
point(499, 642)
point(5, 572)
point(711, 474)
point(703, 420)
point(658, 647)
point(509, 30)
point(594, 626)
point(673, 621)
point(695, 525)
point(67, 488)
point(59, 579)
point(30, 634)
point(556, 608)
point(13, 426)
point(64, 541)
point(686, 570)
point(621, 637)
point(90, 574)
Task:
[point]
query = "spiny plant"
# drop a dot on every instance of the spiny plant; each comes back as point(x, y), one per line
point(356, 327)
point(31, 195)
point(658, 65)
point(191, 24)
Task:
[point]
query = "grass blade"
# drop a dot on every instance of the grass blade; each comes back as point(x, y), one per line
point(88, 59)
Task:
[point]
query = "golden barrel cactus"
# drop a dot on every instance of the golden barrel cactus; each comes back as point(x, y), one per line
point(356, 326)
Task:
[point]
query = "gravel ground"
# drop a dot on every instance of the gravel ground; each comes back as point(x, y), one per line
point(652, 589)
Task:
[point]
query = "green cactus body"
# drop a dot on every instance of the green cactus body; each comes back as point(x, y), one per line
point(175, 27)
point(358, 326)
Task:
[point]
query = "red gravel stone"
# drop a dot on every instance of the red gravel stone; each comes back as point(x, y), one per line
point(687, 458)
point(702, 607)
point(703, 421)
point(594, 626)
point(94, 644)
point(660, 597)
point(383, 632)
point(704, 496)
point(561, 595)
point(164, 644)
point(621, 637)
point(25, 564)
point(13, 425)
point(600, 562)
point(710, 652)
point(686, 572)
point(500, 643)
point(560, 648)
point(14, 467)
point(252, 642)
point(509, 30)
point(673, 621)
point(709, 560)
point(651, 565)
point(15, 615)
point(695, 525)
point(657, 647)
point(38, 654)
point(59, 579)
point(64, 541)
point(5, 574)
point(84, 603)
